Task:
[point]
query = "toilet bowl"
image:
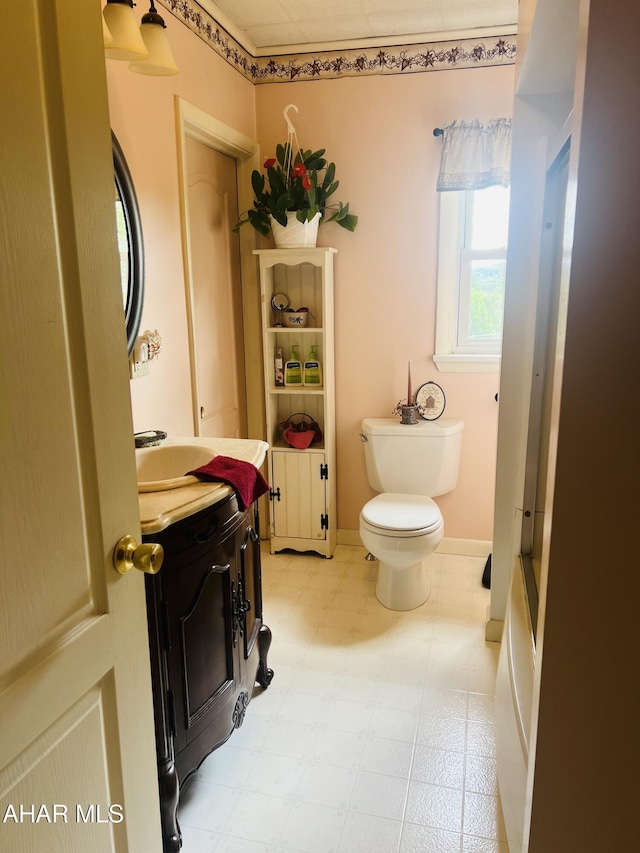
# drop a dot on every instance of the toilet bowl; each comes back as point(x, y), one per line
point(408, 464)
point(401, 531)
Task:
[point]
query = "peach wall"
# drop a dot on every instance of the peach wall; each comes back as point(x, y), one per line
point(378, 131)
point(144, 120)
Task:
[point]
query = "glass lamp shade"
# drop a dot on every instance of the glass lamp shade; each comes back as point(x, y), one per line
point(122, 24)
point(160, 61)
point(107, 38)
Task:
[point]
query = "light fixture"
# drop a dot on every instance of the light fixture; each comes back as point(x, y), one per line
point(160, 61)
point(121, 22)
point(107, 38)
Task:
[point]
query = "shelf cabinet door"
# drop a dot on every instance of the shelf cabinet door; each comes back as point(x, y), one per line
point(300, 505)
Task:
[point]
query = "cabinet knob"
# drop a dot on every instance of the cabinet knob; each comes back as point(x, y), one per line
point(128, 555)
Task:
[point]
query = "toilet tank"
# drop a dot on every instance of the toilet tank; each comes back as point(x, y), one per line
point(412, 459)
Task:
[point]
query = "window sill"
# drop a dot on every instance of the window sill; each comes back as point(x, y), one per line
point(468, 363)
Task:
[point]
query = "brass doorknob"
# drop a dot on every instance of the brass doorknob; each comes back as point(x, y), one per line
point(128, 555)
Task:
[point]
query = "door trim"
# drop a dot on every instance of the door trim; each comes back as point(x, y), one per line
point(193, 122)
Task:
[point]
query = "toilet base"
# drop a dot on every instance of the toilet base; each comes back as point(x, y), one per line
point(405, 588)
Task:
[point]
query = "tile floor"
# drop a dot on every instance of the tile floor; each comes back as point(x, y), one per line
point(376, 734)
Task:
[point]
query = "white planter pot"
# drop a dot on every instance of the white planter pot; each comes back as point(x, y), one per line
point(295, 234)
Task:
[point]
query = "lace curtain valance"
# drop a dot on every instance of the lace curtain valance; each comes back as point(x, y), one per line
point(475, 155)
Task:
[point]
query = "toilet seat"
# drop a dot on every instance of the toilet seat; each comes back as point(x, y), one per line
point(401, 515)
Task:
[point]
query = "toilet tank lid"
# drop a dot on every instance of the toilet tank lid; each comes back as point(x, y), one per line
point(392, 426)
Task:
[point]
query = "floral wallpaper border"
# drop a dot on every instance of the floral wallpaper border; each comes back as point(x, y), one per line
point(398, 59)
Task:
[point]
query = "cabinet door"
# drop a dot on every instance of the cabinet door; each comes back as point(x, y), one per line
point(198, 600)
point(250, 583)
point(300, 505)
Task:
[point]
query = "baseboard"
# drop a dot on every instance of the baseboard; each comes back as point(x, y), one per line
point(463, 547)
point(349, 537)
point(493, 630)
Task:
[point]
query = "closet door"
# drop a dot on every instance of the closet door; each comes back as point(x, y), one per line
point(214, 295)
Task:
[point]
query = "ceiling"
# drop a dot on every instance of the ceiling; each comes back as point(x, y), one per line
point(265, 27)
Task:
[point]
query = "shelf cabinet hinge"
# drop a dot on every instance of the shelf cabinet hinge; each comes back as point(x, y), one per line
point(324, 472)
point(324, 522)
point(274, 496)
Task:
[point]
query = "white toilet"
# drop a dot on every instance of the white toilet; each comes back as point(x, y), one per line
point(409, 464)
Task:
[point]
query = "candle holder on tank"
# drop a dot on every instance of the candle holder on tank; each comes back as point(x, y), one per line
point(408, 414)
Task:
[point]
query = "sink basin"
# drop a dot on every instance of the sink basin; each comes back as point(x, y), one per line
point(165, 466)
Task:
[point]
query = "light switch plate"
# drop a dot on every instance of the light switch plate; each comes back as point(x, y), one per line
point(138, 368)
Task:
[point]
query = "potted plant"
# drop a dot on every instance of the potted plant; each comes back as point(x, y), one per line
point(293, 197)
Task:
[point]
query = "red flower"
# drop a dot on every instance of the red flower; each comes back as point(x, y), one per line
point(298, 170)
point(269, 163)
point(306, 182)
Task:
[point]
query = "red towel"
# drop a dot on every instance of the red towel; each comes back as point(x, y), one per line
point(243, 477)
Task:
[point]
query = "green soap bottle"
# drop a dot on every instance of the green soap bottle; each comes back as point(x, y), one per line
point(312, 373)
point(293, 368)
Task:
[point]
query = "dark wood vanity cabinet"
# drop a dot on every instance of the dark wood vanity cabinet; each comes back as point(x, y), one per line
point(207, 640)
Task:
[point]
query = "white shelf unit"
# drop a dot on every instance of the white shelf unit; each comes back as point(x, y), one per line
point(303, 482)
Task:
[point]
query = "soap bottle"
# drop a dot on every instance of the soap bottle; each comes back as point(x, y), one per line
point(312, 372)
point(293, 368)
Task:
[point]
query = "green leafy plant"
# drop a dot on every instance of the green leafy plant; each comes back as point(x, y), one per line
point(302, 184)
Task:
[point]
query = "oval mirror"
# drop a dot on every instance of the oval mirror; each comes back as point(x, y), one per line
point(130, 245)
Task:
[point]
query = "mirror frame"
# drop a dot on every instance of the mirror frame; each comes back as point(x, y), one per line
point(133, 224)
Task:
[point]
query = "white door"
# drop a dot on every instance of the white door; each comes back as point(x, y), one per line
point(215, 297)
point(77, 753)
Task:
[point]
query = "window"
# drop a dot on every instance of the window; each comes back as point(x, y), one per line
point(471, 275)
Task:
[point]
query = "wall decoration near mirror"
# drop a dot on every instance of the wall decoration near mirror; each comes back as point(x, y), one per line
point(130, 245)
